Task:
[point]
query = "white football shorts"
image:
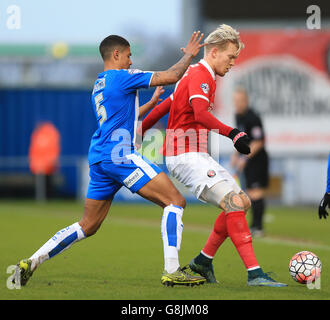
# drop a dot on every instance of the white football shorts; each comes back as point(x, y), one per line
point(202, 175)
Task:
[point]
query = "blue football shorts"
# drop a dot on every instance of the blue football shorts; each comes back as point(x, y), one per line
point(106, 177)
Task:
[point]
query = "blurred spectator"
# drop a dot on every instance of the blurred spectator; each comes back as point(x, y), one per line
point(253, 167)
point(43, 157)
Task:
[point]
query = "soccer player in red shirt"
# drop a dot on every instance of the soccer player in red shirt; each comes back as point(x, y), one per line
point(188, 160)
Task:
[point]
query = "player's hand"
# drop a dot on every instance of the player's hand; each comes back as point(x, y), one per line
point(194, 44)
point(240, 141)
point(325, 202)
point(157, 93)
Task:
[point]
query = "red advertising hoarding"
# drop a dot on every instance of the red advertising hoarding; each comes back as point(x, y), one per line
point(286, 74)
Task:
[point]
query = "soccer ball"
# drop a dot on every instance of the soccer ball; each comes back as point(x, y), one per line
point(305, 267)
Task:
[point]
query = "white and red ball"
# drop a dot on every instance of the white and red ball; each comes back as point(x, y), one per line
point(305, 267)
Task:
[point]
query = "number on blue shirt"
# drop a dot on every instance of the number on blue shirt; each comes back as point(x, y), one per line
point(101, 112)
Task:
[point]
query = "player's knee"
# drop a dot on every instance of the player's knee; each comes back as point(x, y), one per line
point(232, 202)
point(246, 203)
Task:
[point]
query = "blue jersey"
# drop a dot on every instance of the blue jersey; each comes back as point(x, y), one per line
point(116, 106)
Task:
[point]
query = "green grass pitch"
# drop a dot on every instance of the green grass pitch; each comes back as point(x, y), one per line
point(124, 260)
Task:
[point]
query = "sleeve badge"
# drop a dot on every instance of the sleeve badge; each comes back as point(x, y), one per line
point(205, 87)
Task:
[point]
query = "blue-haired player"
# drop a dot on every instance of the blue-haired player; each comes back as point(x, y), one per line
point(114, 161)
point(325, 202)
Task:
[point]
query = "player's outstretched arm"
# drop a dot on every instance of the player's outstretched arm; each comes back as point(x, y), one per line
point(175, 73)
point(152, 102)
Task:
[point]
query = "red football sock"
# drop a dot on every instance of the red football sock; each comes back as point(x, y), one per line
point(238, 231)
point(217, 236)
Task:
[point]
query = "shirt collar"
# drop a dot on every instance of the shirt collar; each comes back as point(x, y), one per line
point(207, 66)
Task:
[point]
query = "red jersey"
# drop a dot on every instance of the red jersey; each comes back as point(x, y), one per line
point(183, 133)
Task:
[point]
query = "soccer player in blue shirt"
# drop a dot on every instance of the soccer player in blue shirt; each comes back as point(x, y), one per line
point(114, 161)
point(325, 202)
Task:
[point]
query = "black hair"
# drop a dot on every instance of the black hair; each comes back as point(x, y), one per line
point(110, 43)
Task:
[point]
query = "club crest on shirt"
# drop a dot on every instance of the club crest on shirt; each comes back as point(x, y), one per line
point(211, 173)
point(205, 87)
